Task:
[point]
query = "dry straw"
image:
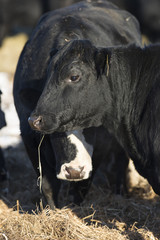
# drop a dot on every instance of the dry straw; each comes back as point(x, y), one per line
point(62, 225)
point(40, 165)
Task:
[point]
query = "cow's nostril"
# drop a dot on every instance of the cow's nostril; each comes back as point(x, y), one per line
point(73, 173)
point(81, 169)
point(35, 122)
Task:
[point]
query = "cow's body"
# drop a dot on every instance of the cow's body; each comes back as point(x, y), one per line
point(104, 25)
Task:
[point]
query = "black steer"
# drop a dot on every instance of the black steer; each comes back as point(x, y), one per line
point(121, 94)
point(102, 148)
point(146, 11)
point(67, 156)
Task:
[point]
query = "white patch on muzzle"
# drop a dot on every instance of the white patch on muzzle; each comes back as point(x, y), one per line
point(83, 158)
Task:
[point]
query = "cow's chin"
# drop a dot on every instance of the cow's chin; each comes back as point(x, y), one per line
point(78, 124)
point(63, 128)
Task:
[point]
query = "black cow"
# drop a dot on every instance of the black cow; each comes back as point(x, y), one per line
point(104, 25)
point(146, 11)
point(93, 146)
point(121, 94)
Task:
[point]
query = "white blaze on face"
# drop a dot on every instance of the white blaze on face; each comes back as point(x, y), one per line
point(83, 157)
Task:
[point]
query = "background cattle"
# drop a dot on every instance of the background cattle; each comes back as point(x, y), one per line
point(146, 11)
point(53, 34)
point(21, 16)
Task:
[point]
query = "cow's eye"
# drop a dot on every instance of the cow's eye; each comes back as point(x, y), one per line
point(75, 78)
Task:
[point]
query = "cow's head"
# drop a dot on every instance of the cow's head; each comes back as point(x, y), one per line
point(72, 98)
point(73, 152)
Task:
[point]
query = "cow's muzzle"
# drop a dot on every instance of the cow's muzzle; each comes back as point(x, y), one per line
point(35, 122)
point(73, 174)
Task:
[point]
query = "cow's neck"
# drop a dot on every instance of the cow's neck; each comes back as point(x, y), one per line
point(132, 84)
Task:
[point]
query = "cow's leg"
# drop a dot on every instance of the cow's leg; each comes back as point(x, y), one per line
point(2, 166)
point(3, 174)
point(46, 160)
point(81, 188)
point(122, 162)
point(50, 183)
point(50, 187)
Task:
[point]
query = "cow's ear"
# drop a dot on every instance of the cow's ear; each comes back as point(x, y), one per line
point(102, 57)
point(29, 97)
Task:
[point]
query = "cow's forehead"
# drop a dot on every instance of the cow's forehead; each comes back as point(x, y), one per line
point(76, 49)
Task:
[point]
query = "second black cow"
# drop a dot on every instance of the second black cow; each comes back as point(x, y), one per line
point(104, 25)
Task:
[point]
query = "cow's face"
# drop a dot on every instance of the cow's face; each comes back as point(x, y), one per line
point(72, 97)
point(73, 151)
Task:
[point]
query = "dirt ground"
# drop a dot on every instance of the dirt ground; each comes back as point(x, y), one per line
point(103, 215)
